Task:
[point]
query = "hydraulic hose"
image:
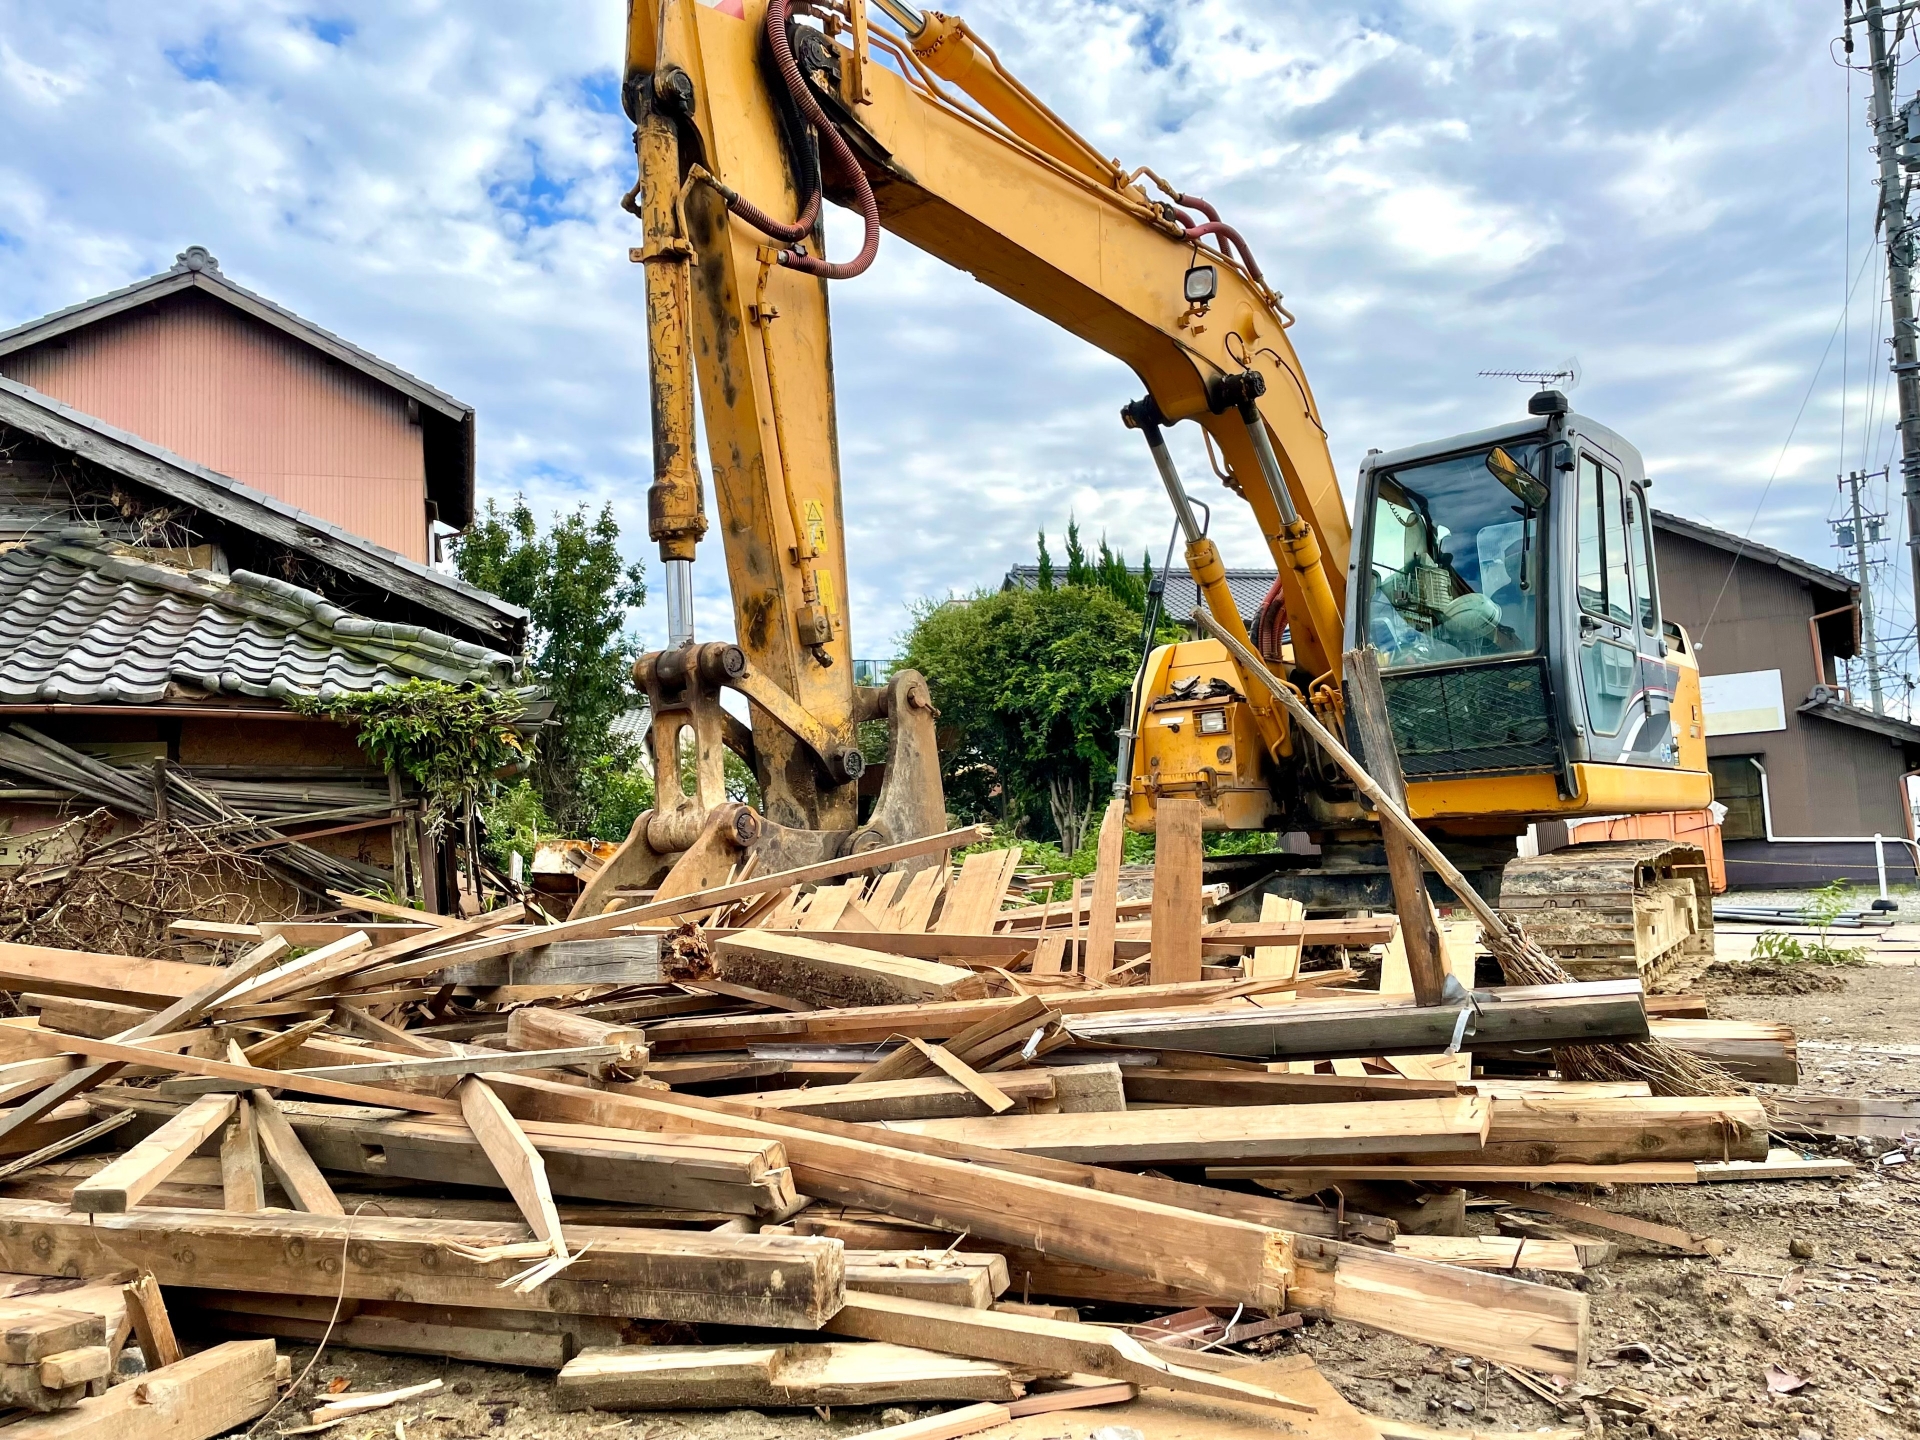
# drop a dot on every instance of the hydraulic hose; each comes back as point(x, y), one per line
point(842, 152)
point(1216, 226)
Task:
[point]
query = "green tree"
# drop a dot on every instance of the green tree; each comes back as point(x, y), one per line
point(576, 590)
point(1031, 685)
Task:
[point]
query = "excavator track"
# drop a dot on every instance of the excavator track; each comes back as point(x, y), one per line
point(1619, 909)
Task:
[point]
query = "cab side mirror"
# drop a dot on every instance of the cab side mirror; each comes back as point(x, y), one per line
point(1504, 468)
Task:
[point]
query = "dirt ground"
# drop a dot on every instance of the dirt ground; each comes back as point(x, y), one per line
point(1681, 1347)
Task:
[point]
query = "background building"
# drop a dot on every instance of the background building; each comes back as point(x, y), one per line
point(214, 373)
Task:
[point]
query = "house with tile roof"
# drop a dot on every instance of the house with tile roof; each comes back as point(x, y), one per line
point(209, 370)
point(155, 612)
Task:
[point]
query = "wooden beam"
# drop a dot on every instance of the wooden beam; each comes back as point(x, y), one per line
point(118, 979)
point(276, 1079)
point(824, 973)
point(147, 1310)
point(292, 1166)
point(1529, 1015)
point(1177, 903)
point(410, 1069)
point(206, 1394)
point(1367, 703)
point(132, 1175)
point(786, 1282)
point(923, 1097)
point(854, 1164)
point(1192, 1137)
point(243, 1186)
point(707, 1173)
point(1060, 1346)
point(1163, 1085)
point(518, 1164)
point(1102, 908)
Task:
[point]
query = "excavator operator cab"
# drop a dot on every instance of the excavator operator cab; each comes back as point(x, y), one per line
point(1505, 577)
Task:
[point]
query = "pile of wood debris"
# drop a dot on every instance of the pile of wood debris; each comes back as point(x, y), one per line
point(854, 1134)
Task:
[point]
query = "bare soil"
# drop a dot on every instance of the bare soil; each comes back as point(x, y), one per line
point(1681, 1346)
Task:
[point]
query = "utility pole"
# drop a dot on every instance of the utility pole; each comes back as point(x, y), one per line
point(1854, 534)
point(1890, 134)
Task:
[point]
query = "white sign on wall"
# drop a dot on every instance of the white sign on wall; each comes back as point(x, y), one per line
point(1743, 704)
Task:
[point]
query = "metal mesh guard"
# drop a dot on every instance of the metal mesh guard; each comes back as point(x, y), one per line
point(1464, 721)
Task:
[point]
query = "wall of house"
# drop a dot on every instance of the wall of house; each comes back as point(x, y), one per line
point(1823, 778)
point(200, 378)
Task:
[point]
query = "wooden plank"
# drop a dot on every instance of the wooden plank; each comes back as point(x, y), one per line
point(118, 979)
point(590, 926)
point(948, 1277)
point(147, 1310)
point(982, 1089)
point(204, 1395)
point(178, 1015)
point(98, 1018)
point(1162, 1085)
point(1367, 705)
point(243, 1186)
point(1101, 907)
point(702, 1377)
point(1059, 1346)
point(1592, 1216)
point(132, 1175)
point(1780, 1164)
point(376, 968)
point(968, 1420)
point(824, 972)
point(1493, 1252)
point(368, 905)
point(856, 1164)
point(542, 1027)
point(292, 1166)
point(1148, 1137)
point(786, 1282)
point(410, 1069)
point(518, 1164)
point(914, 908)
point(1539, 1327)
point(1532, 1015)
point(922, 1097)
point(968, 1043)
point(974, 897)
point(1304, 1179)
point(1070, 1211)
point(521, 1338)
point(1177, 904)
point(948, 1019)
point(1280, 961)
point(828, 905)
point(277, 1079)
point(294, 974)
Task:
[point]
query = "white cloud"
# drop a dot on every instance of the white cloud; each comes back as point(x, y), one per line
point(1438, 188)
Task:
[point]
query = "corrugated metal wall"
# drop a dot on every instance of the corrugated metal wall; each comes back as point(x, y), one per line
point(240, 397)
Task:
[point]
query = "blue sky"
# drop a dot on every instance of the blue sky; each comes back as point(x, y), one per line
point(1677, 195)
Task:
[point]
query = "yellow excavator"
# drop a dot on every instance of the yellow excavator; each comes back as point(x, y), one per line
point(1504, 577)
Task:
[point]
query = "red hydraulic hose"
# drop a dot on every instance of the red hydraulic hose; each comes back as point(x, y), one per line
point(842, 152)
point(1216, 226)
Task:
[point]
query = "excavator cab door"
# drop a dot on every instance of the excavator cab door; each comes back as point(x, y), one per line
point(1625, 684)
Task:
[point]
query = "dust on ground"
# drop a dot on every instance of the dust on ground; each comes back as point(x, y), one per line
point(1689, 1339)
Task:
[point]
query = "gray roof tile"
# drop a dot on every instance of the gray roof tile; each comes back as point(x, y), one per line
point(84, 620)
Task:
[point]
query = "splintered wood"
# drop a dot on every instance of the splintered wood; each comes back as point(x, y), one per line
point(898, 1114)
